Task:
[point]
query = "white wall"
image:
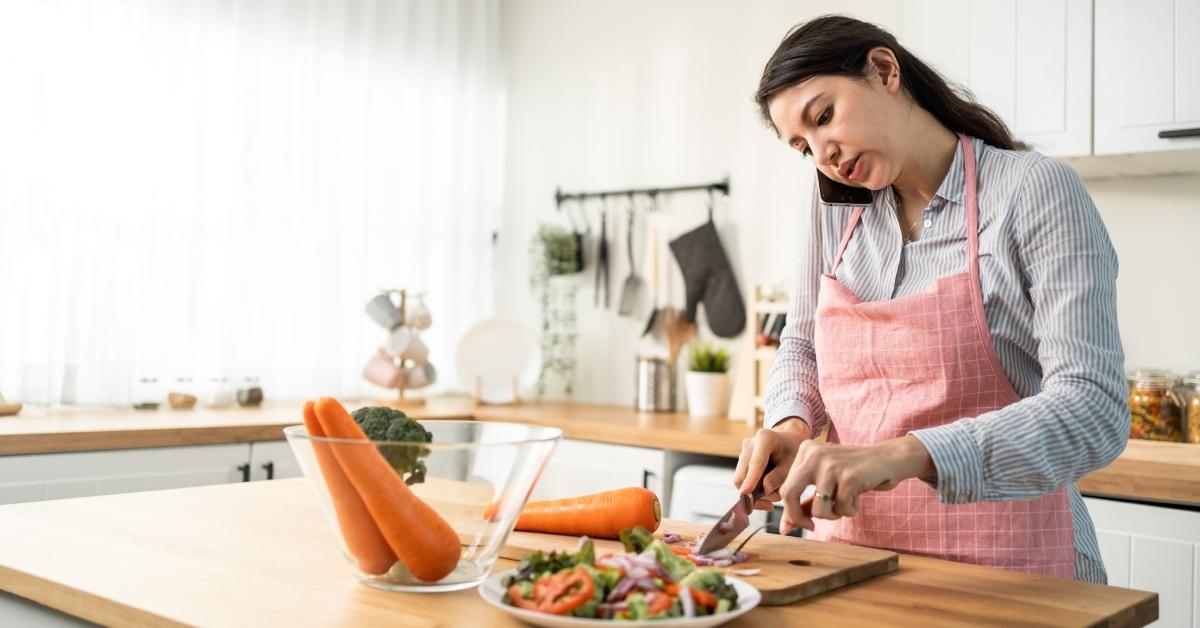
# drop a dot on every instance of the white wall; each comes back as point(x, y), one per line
point(616, 94)
point(1154, 223)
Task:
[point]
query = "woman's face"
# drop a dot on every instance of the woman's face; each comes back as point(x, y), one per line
point(851, 127)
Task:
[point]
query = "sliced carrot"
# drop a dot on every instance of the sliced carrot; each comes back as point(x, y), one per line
point(362, 537)
point(419, 536)
point(600, 516)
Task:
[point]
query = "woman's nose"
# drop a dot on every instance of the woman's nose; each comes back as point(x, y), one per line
point(826, 154)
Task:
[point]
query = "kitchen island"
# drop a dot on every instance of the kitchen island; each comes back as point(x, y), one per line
point(1146, 471)
point(261, 553)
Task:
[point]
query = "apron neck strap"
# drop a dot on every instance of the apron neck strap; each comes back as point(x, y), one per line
point(837, 260)
point(972, 202)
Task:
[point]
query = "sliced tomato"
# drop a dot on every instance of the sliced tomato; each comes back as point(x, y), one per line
point(657, 602)
point(567, 591)
point(703, 598)
point(514, 592)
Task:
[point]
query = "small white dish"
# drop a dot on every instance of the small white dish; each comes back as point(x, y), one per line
point(493, 593)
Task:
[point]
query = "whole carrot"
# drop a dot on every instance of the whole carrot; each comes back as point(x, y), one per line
point(601, 515)
point(363, 539)
point(421, 539)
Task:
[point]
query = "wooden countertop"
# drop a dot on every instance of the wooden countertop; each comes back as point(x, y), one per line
point(84, 428)
point(1148, 471)
point(261, 553)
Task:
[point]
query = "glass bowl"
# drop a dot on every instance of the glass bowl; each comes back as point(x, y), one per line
point(476, 477)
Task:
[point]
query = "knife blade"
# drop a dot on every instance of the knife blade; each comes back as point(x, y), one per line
point(728, 527)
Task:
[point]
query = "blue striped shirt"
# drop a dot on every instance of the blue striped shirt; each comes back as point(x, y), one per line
point(1048, 272)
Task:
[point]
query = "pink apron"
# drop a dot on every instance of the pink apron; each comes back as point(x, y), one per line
point(890, 367)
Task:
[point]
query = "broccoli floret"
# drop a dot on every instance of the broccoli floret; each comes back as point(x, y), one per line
point(389, 424)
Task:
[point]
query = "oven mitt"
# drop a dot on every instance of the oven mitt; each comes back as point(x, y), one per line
point(709, 278)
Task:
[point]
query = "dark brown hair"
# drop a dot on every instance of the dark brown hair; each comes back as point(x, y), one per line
point(838, 45)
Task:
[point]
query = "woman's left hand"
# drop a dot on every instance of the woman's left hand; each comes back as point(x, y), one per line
point(842, 473)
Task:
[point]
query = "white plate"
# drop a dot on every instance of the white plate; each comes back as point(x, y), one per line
point(495, 352)
point(493, 593)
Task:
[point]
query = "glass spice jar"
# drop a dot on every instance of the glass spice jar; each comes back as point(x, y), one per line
point(146, 395)
point(218, 393)
point(182, 395)
point(250, 393)
point(1188, 392)
point(1155, 411)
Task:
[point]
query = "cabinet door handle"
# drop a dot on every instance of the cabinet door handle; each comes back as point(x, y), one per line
point(1177, 133)
point(270, 469)
point(245, 469)
point(646, 473)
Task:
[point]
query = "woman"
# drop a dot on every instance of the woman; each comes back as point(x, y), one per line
point(958, 336)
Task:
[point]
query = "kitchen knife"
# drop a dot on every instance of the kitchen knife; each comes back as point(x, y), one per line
point(736, 520)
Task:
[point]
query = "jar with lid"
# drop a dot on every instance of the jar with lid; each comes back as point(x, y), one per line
point(1188, 392)
point(218, 393)
point(182, 395)
point(249, 393)
point(145, 394)
point(1154, 408)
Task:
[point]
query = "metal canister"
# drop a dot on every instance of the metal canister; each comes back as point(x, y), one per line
point(655, 386)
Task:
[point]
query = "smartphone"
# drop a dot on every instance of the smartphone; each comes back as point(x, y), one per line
point(834, 193)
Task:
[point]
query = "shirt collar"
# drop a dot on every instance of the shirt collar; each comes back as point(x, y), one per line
point(953, 186)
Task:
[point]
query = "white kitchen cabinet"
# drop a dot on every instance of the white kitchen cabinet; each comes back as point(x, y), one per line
point(37, 477)
point(1152, 548)
point(1147, 79)
point(273, 460)
point(582, 467)
point(1030, 61)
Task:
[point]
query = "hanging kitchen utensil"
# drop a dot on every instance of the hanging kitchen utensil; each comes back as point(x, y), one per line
point(654, 322)
point(633, 283)
point(602, 259)
point(678, 330)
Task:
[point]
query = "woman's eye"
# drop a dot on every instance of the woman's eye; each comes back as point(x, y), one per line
point(825, 115)
point(806, 151)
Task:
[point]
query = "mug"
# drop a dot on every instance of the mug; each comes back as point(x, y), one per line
point(407, 344)
point(382, 371)
point(383, 311)
point(418, 313)
point(415, 376)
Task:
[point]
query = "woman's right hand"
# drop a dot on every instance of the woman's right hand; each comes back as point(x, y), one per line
point(778, 445)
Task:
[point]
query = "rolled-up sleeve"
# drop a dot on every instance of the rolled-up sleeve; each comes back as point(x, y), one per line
point(792, 384)
point(1078, 422)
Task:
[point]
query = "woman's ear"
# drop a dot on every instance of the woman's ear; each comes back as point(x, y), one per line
point(886, 66)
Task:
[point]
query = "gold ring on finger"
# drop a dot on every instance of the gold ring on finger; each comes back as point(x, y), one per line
point(825, 497)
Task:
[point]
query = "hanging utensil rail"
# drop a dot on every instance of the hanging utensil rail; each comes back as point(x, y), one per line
point(718, 186)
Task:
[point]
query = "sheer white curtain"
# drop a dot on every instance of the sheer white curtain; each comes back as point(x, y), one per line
point(216, 187)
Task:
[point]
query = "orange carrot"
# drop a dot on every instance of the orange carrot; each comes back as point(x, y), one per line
point(363, 539)
point(600, 516)
point(421, 539)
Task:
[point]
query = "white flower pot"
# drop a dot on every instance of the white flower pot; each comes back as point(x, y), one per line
point(706, 393)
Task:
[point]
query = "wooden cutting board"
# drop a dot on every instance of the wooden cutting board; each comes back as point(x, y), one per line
point(792, 568)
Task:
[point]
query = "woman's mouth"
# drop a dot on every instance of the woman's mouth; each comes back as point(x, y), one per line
point(854, 172)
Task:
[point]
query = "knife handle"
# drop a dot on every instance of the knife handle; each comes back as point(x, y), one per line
point(761, 490)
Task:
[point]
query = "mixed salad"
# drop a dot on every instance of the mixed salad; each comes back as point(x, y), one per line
point(650, 581)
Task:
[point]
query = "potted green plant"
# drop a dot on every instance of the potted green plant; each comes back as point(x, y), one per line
point(554, 269)
point(707, 381)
